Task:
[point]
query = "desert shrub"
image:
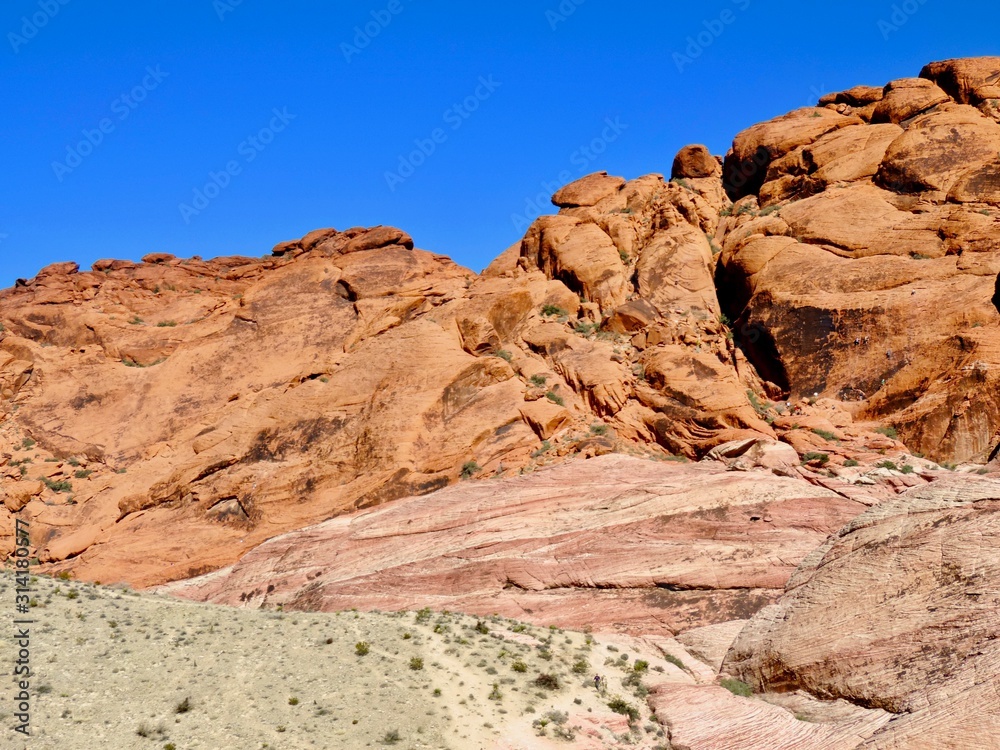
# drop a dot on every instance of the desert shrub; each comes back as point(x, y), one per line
point(620, 706)
point(825, 434)
point(737, 687)
point(640, 665)
point(545, 447)
point(851, 462)
point(889, 432)
point(675, 661)
point(470, 469)
point(57, 486)
point(391, 737)
point(581, 666)
point(553, 311)
point(519, 666)
point(555, 398)
point(537, 380)
point(361, 648)
point(183, 707)
point(547, 681)
point(887, 465)
point(503, 354)
point(148, 732)
point(166, 324)
point(821, 458)
point(83, 473)
point(482, 627)
point(495, 693)
point(557, 717)
point(756, 404)
point(599, 429)
point(907, 469)
point(423, 615)
point(416, 663)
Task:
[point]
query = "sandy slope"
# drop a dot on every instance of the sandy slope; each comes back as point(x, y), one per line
point(113, 665)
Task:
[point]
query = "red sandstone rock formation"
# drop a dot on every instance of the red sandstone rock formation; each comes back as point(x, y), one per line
point(162, 418)
point(293, 422)
point(860, 259)
point(898, 611)
point(615, 543)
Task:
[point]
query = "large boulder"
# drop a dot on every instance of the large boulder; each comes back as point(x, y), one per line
point(588, 191)
point(897, 611)
point(694, 162)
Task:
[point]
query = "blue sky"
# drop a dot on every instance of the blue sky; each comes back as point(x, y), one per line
point(214, 127)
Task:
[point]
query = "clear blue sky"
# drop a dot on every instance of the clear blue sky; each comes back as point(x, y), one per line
point(183, 89)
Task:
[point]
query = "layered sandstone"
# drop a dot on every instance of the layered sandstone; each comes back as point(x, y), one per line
point(615, 543)
point(160, 419)
point(167, 416)
point(897, 611)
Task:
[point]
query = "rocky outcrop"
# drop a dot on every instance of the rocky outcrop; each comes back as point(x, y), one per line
point(182, 411)
point(719, 407)
point(860, 260)
point(178, 412)
point(614, 543)
point(910, 591)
